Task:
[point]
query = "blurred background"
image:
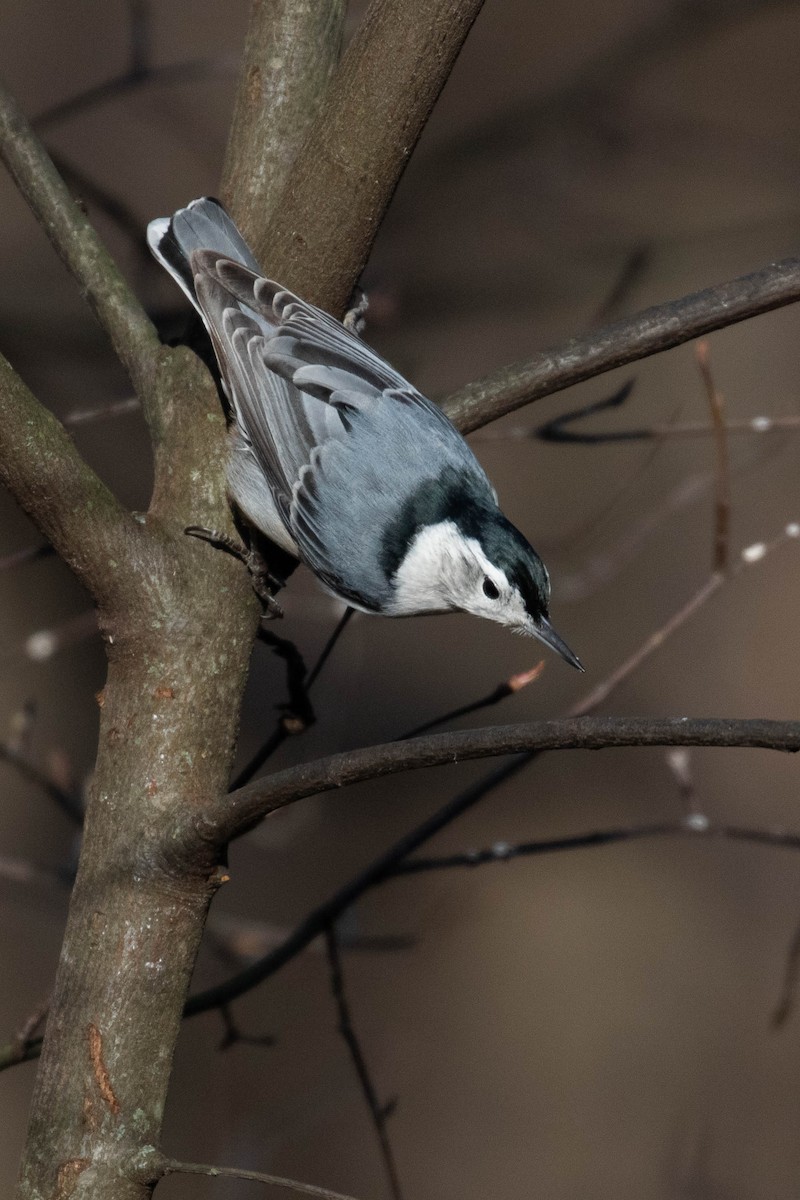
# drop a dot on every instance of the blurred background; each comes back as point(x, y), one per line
point(591, 1023)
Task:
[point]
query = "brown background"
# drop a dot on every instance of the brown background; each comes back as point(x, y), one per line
point(593, 1024)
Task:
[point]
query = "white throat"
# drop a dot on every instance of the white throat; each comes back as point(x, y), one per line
point(433, 575)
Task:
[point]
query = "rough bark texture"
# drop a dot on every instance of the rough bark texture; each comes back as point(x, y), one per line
point(178, 628)
point(291, 51)
point(167, 732)
point(374, 112)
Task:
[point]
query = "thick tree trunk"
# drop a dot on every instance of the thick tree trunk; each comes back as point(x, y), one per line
point(169, 713)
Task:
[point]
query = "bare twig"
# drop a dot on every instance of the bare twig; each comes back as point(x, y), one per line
point(340, 185)
point(172, 1167)
point(133, 336)
point(750, 555)
point(648, 332)
point(693, 825)
point(290, 53)
point(298, 715)
point(723, 472)
point(233, 1035)
point(555, 430)
point(377, 1111)
point(328, 648)
point(633, 269)
point(509, 687)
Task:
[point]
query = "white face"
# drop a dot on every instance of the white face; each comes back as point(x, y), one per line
point(443, 570)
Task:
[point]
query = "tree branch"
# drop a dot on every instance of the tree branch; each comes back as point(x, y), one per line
point(169, 1166)
point(132, 335)
point(230, 815)
point(291, 51)
point(375, 110)
point(72, 507)
point(377, 1111)
point(648, 332)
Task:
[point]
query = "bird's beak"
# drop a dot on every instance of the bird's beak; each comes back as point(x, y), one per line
point(543, 630)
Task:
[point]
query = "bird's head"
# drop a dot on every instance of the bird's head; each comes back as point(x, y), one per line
point(481, 565)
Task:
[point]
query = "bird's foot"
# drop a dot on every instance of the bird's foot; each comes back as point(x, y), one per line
point(265, 584)
point(354, 319)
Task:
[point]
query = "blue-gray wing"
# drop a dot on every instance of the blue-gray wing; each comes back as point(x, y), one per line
point(341, 438)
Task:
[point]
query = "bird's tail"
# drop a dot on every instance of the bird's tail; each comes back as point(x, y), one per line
point(202, 225)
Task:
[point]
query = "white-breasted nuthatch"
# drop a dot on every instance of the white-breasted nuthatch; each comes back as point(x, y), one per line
point(339, 460)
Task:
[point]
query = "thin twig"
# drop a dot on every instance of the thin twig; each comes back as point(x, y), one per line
point(119, 312)
point(233, 1035)
point(172, 1167)
point(722, 514)
point(327, 649)
point(750, 555)
point(377, 1111)
point(649, 433)
point(298, 715)
point(630, 275)
point(693, 825)
point(648, 332)
point(509, 687)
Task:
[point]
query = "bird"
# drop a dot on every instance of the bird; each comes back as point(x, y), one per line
point(339, 460)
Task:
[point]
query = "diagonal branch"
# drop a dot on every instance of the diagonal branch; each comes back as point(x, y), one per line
point(373, 114)
point(72, 507)
point(648, 332)
point(230, 815)
point(133, 336)
point(291, 51)
point(377, 1111)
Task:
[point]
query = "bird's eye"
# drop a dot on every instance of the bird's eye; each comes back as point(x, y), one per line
point(489, 589)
